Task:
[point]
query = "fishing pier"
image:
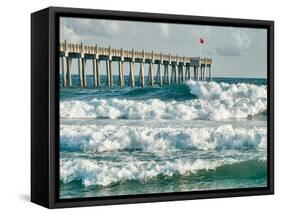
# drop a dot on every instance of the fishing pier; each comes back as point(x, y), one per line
point(171, 69)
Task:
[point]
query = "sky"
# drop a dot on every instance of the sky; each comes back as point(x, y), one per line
point(236, 52)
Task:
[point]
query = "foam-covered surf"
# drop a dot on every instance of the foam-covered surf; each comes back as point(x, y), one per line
point(215, 101)
point(187, 137)
point(94, 138)
point(105, 173)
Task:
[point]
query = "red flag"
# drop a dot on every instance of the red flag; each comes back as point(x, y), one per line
point(202, 40)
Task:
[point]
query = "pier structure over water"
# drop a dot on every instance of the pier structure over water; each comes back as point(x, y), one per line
point(171, 69)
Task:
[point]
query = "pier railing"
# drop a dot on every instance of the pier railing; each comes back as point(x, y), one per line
point(170, 68)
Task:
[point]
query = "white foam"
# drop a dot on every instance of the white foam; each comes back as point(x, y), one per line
point(216, 101)
point(94, 138)
point(104, 173)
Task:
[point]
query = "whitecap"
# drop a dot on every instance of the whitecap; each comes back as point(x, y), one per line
point(107, 172)
point(95, 138)
point(215, 101)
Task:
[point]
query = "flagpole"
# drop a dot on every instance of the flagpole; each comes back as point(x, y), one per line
point(200, 44)
point(200, 48)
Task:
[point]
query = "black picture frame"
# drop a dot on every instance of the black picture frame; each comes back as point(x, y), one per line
point(45, 106)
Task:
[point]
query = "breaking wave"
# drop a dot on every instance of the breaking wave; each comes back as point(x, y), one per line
point(215, 101)
point(93, 138)
point(106, 173)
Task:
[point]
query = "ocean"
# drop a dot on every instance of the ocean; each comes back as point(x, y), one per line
point(191, 136)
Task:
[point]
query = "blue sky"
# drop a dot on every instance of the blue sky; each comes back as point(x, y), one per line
point(236, 52)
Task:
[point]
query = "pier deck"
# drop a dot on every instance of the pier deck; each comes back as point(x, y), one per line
point(171, 69)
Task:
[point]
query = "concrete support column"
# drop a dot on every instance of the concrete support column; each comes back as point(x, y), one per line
point(172, 73)
point(187, 73)
point(95, 82)
point(121, 73)
point(183, 73)
point(150, 75)
point(63, 69)
point(165, 74)
point(110, 72)
point(195, 73)
point(210, 73)
point(132, 74)
point(176, 74)
point(203, 74)
point(169, 72)
point(98, 72)
point(107, 73)
point(81, 66)
point(84, 72)
point(80, 71)
point(141, 75)
point(68, 71)
point(97, 65)
point(159, 72)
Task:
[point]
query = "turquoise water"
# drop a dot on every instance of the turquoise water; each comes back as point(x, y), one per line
point(187, 137)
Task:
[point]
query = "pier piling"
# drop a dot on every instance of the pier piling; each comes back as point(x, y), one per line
point(132, 74)
point(98, 72)
point(121, 74)
point(84, 72)
point(132, 69)
point(95, 77)
point(63, 65)
point(210, 73)
point(68, 71)
point(80, 72)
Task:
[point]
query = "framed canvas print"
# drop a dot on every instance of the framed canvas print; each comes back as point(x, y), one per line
point(139, 107)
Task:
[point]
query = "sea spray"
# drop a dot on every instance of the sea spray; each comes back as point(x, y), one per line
point(94, 138)
point(215, 101)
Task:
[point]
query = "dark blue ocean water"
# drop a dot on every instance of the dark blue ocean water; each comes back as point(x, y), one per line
point(186, 137)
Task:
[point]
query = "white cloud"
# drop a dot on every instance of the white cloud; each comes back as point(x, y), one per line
point(236, 42)
point(241, 39)
point(67, 33)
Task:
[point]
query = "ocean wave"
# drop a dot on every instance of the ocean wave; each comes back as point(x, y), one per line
point(215, 101)
point(106, 173)
point(94, 138)
point(226, 92)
